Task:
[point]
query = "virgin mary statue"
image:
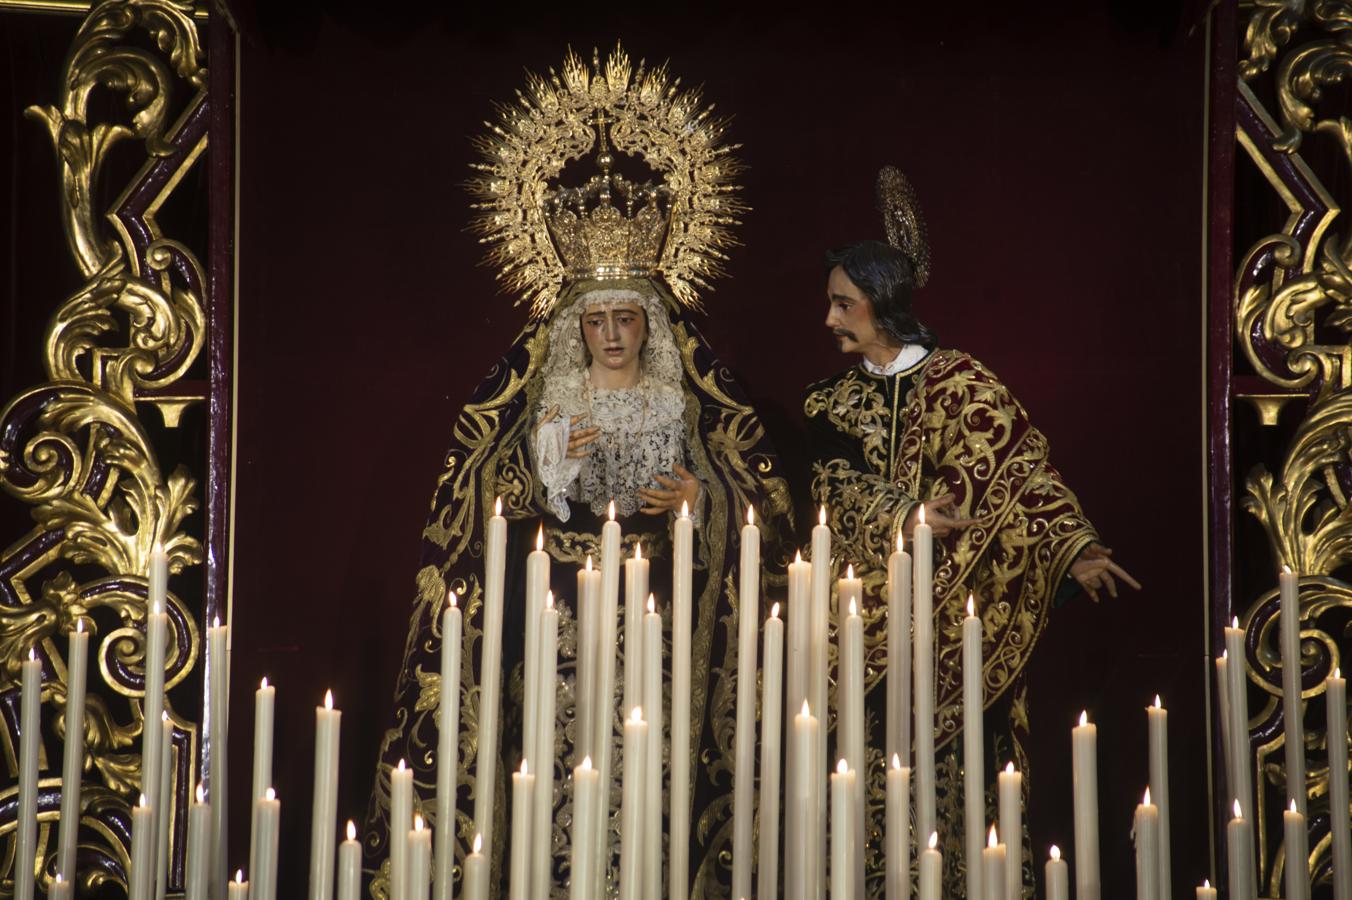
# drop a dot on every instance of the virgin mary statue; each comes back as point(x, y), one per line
point(608, 396)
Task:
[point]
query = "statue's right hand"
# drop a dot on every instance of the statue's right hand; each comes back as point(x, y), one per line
point(579, 438)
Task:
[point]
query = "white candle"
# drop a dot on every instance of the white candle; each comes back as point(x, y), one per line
point(72, 770)
point(803, 856)
point(897, 844)
point(141, 879)
point(635, 593)
point(899, 654)
point(1084, 756)
point(1057, 876)
point(61, 889)
point(631, 807)
point(923, 630)
point(476, 871)
point(163, 807)
point(798, 678)
point(264, 702)
point(1010, 787)
point(1239, 843)
point(490, 679)
point(973, 748)
point(1335, 697)
point(1223, 708)
point(199, 846)
point(152, 738)
point(683, 557)
point(523, 807)
point(1157, 720)
point(537, 583)
point(349, 865)
point(993, 867)
point(1147, 830)
point(652, 705)
point(542, 830)
point(1206, 891)
point(267, 825)
point(682, 563)
point(604, 718)
point(448, 748)
point(850, 706)
point(842, 832)
point(1239, 715)
point(931, 869)
point(217, 711)
point(771, 720)
point(821, 605)
point(588, 647)
point(401, 819)
point(744, 739)
point(325, 810)
point(1297, 854)
point(239, 888)
point(30, 709)
point(419, 860)
point(585, 798)
point(1292, 708)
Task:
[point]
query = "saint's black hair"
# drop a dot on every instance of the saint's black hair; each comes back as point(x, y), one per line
point(884, 275)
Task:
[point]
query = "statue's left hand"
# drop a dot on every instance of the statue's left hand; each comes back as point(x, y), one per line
point(682, 487)
point(1095, 569)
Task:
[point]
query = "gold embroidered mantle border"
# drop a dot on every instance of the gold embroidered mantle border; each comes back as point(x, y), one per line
point(75, 448)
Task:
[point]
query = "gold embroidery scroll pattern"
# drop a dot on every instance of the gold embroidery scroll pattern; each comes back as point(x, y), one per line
point(857, 406)
point(74, 448)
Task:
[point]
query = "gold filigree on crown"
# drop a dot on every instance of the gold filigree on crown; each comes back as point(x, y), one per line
point(541, 234)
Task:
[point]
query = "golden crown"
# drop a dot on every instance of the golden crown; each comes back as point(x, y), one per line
point(594, 237)
point(541, 235)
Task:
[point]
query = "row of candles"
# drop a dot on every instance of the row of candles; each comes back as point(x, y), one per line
point(909, 598)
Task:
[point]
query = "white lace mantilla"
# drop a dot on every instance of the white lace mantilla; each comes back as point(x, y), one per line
point(642, 427)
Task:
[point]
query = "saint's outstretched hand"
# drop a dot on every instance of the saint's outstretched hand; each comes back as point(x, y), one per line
point(682, 488)
point(1095, 569)
point(941, 514)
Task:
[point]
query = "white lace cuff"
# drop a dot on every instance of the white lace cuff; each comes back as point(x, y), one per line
point(557, 472)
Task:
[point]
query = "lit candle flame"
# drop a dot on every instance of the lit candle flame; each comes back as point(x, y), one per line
point(1084, 717)
point(638, 549)
point(1225, 654)
point(922, 514)
point(200, 794)
point(164, 717)
point(402, 766)
point(896, 761)
point(269, 795)
point(586, 763)
point(351, 830)
point(589, 562)
point(1337, 672)
point(611, 510)
point(993, 840)
point(774, 611)
point(751, 515)
point(549, 600)
point(215, 621)
point(636, 715)
point(239, 876)
point(821, 515)
point(79, 626)
point(417, 822)
point(540, 538)
point(328, 699)
point(1293, 806)
point(1157, 702)
point(32, 654)
point(854, 609)
point(497, 507)
point(685, 509)
point(1009, 767)
point(59, 879)
point(1145, 800)
point(971, 605)
point(452, 600)
point(1056, 852)
point(807, 711)
point(1238, 812)
point(901, 544)
point(142, 802)
point(652, 604)
point(1234, 622)
point(934, 839)
point(156, 609)
point(798, 557)
point(478, 843)
point(849, 571)
point(525, 770)
point(263, 685)
point(842, 767)
point(1206, 883)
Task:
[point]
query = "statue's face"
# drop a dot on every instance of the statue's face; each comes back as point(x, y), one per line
point(615, 335)
point(850, 314)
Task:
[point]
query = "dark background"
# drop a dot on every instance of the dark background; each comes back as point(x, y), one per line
point(1058, 156)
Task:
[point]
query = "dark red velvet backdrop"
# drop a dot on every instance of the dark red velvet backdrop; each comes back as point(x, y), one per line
point(1058, 157)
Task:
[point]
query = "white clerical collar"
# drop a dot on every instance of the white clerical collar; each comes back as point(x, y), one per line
point(907, 358)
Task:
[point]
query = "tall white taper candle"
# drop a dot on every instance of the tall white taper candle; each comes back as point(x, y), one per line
point(1084, 758)
point(72, 769)
point(324, 817)
point(767, 873)
point(682, 562)
point(490, 678)
point(30, 707)
point(973, 749)
point(923, 630)
point(448, 748)
point(744, 739)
